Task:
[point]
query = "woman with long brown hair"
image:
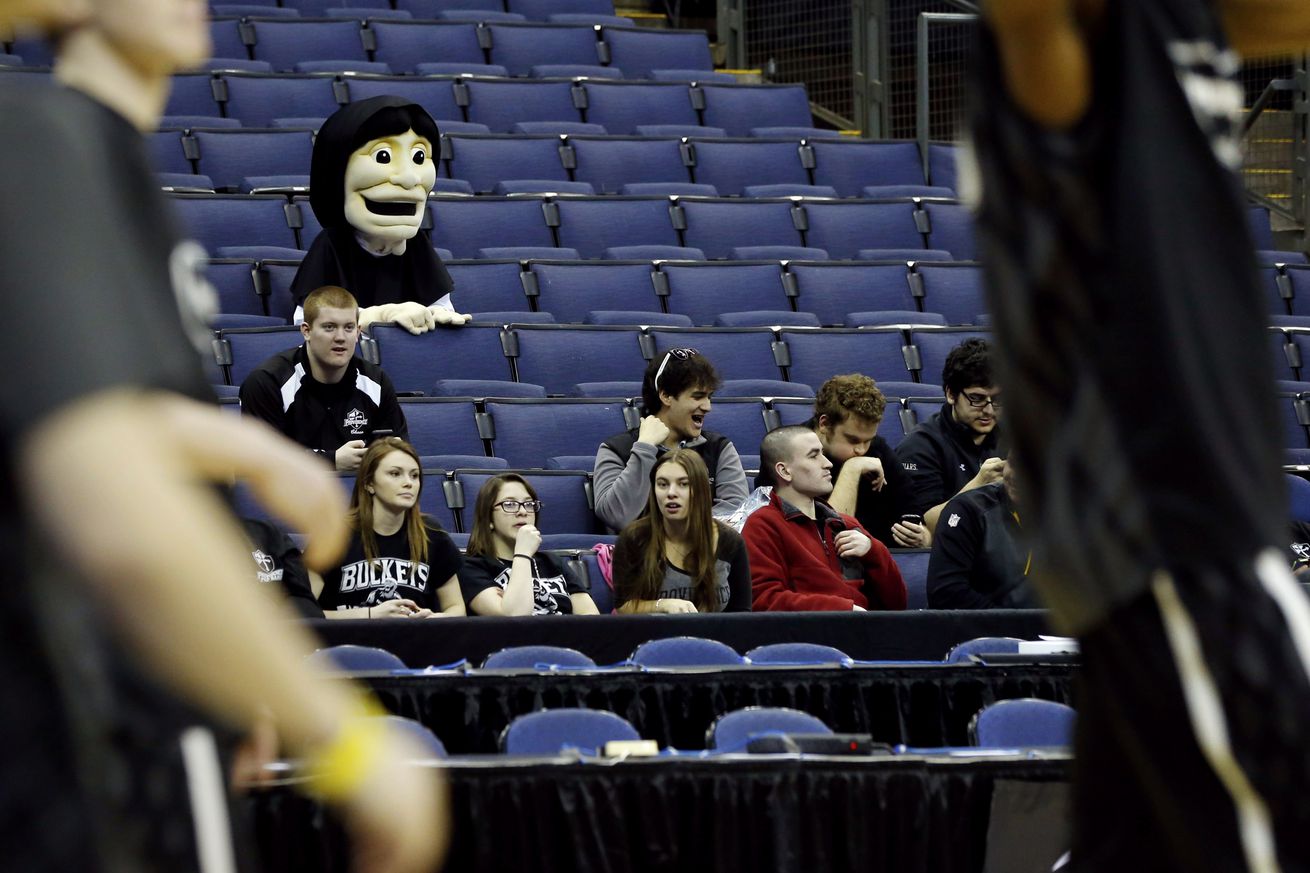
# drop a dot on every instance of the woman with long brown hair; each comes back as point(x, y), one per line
point(400, 563)
point(504, 573)
point(676, 557)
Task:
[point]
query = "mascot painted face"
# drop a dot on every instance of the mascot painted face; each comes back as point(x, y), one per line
point(371, 172)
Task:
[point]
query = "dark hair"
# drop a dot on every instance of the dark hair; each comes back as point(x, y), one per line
point(482, 541)
point(702, 536)
point(395, 120)
point(360, 517)
point(777, 447)
point(682, 369)
point(851, 394)
point(969, 364)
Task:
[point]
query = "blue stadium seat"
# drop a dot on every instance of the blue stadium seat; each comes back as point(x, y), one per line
point(620, 316)
point(317, 8)
point(606, 389)
point(778, 253)
point(274, 184)
point(680, 130)
point(543, 186)
point(766, 318)
point(763, 388)
point(954, 290)
point(733, 730)
point(536, 657)
point(703, 291)
point(486, 388)
point(283, 43)
point(274, 276)
point(517, 47)
point(257, 99)
point(637, 51)
point(833, 288)
point(796, 653)
point(404, 45)
point(1294, 411)
point(552, 731)
point(693, 77)
point(191, 94)
point(570, 291)
point(893, 317)
point(415, 363)
point(789, 190)
point(1262, 233)
point(913, 564)
point(593, 224)
point(232, 279)
point(367, 15)
point(738, 108)
point(557, 357)
point(441, 426)
point(667, 189)
point(718, 226)
point(527, 432)
point(934, 345)
point(1298, 494)
point(447, 125)
point(432, 501)
point(226, 156)
point(685, 652)
point(590, 18)
point(610, 163)
point(249, 347)
point(428, 9)
point(941, 166)
point(217, 220)
point(376, 68)
point(1297, 277)
point(910, 254)
point(960, 653)
point(564, 494)
point(206, 122)
point(434, 95)
point(731, 165)
point(350, 658)
point(740, 420)
point(238, 65)
point(735, 352)
point(849, 166)
point(482, 16)
point(653, 253)
point(792, 411)
point(167, 154)
point(817, 356)
point(225, 38)
point(487, 286)
point(484, 160)
point(950, 227)
point(621, 106)
point(883, 192)
point(465, 225)
point(571, 128)
point(459, 68)
point(541, 10)
point(499, 104)
point(574, 71)
point(527, 253)
point(845, 227)
point(188, 182)
point(1023, 723)
point(793, 132)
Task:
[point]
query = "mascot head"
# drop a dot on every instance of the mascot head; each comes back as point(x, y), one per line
point(372, 169)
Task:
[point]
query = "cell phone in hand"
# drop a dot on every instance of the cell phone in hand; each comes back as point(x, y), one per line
point(380, 433)
point(911, 518)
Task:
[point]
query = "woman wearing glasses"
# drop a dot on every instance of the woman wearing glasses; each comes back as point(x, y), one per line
point(676, 391)
point(400, 563)
point(677, 558)
point(503, 573)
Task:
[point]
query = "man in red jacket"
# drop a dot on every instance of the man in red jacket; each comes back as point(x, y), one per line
point(803, 554)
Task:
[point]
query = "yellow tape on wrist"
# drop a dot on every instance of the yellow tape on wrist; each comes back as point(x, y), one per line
point(337, 770)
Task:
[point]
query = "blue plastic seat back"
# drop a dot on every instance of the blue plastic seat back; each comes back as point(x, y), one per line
point(487, 286)
point(551, 731)
point(218, 220)
point(1023, 723)
point(638, 51)
point(954, 290)
point(530, 431)
point(518, 47)
point(834, 288)
point(251, 346)
point(351, 658)
point(817, 356)
point(960, 653)
point(536, 656)
point(419, 733)
point(227, 156)
point(569, 291)
point(718, 226)
point(950, 227)
point(257, 98)
point(732, 730)
point(437, 96)
point(559, 357)
point(849, 166)
point(484, 160)
point(442, 426)
point(283, 43)
point(685, 652)
point(738, 108)
point(732, 165)
point(501, 104)
point(736, 353)
point(797, 653)
point(610, 163)
point(595, 224)
point(702, 291)
point(913, 564)
point(465, 225)
point(234, 282)
point(846, 227)
point(563, 493)
point(415, 363)
point(621, 106)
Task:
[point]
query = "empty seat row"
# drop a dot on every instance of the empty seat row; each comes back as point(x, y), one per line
point(464, 226)
point(402, 45)
point(557, 357)
point(573, 291)
point(845, 168)
point(535, 10)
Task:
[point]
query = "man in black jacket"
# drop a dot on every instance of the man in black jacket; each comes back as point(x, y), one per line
point(321, 394)
point(978, 560)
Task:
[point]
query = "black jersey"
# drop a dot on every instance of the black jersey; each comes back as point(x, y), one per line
point(392, 575)
point(552, 584)
point(278, 562)
point(1124, 295)
point(940, 457)
point(105, 294)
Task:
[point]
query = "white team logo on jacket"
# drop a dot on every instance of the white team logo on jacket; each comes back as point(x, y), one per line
point(264, 562)
point(356, 421)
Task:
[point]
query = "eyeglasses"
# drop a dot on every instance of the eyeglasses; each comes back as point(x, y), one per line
point(513, 506)
point(980, 401)
point(680, 354)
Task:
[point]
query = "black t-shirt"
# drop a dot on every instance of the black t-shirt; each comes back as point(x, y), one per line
point(392, 576)
point(1127, 313)
point(278, 562)
point(96, 279)
point(1298, 548)
point(551, 583)
point(336, 258)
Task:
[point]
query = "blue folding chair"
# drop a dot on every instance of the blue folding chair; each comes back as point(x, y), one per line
point(797, 653)
point(1023, 723)
point(552, 731)
point(731, 731)
point(982, 646)
point(536, 657)
point(356, 659)
point(419, 733)
point(685, 652)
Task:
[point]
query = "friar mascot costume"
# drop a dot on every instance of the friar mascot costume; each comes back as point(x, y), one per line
point(372, 169)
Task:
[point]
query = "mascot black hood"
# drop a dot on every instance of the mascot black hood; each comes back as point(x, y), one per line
point(346, 131)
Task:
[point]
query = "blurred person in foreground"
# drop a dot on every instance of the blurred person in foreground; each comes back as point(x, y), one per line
point(1125, 306)
point(118, 543)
